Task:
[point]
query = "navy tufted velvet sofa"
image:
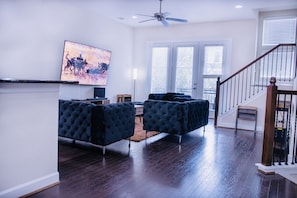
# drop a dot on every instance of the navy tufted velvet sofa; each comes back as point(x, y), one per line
point(97, 124)
point(174, 113)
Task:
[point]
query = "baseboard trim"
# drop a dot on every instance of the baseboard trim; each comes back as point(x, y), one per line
point(241, 127)
point(267, 170)
point(289, 173)
point(32, 186)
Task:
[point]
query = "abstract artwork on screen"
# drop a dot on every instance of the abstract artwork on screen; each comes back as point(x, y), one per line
point(85, 64)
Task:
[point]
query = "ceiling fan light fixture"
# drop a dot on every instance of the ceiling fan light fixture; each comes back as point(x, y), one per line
point(161, 17)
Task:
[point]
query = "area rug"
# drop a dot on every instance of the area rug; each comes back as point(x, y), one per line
point(139, 133)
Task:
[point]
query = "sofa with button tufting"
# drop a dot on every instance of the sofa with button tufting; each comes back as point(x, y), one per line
point(174, 113)
point(98, 124)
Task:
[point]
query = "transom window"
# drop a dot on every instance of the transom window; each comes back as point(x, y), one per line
point(279, 30)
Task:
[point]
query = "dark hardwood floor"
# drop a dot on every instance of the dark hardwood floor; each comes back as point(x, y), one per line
point(216, 163)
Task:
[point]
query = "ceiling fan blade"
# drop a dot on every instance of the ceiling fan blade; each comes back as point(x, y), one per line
point(161, 16)
point(164, 22)
point(144, 15)
point(146, 20)
point(175, 19)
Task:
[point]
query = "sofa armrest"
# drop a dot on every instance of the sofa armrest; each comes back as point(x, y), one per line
point(75, 120)
point(112, 122)
point(198, 113)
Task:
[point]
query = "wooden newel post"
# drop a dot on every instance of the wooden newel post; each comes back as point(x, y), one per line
point(269, 126)
point(217, 99)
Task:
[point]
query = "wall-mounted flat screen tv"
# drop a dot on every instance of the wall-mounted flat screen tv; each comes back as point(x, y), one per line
point(85, 64)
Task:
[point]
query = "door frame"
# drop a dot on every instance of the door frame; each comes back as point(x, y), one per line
point(198, 62)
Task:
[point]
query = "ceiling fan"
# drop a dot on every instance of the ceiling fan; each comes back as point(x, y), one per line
point(162, 17)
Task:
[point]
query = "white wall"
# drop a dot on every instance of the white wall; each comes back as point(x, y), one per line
point(242, 35)
point(28, 137)
point(32, 35)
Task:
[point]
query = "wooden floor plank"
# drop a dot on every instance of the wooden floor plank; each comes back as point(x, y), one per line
point(217, 163)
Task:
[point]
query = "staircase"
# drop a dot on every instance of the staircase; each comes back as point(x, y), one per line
point(251, 81)
point(279, 153)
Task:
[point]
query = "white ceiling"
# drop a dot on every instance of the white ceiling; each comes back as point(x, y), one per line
point(192, 10)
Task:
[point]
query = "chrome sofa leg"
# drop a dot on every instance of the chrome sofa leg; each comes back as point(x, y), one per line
point(179, 139)
point(129, 146)
point(103, 150)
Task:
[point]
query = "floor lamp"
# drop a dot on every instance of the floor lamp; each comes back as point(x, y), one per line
point(134, 81)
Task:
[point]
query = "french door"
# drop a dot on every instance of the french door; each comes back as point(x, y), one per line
point(190, 68)
point(184, 70)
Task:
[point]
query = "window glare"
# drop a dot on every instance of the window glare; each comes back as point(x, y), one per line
point(213, 60)
point(184, 70)
point(159, 69)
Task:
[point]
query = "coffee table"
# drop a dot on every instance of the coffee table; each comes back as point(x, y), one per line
point(138, 111)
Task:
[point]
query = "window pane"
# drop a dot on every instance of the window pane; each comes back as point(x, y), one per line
point(209, 90)
point(159, 69)
point(277, 31)
point(213, 60)
point(184, 68)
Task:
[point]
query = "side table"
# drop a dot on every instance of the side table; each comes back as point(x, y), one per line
point(246, 113)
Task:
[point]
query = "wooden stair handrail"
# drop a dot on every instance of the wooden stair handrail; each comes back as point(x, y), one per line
point(253, 62)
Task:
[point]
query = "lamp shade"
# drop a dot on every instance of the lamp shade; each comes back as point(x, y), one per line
point(135, 74)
